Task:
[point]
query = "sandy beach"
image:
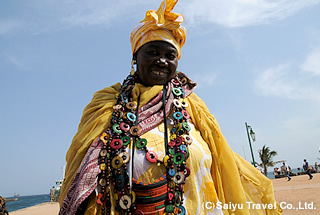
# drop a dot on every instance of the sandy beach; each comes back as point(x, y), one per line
point(48, 208)
point(300, 190)
point(300, 193)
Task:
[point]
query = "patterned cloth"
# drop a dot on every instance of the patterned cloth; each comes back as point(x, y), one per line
point(162, 25)
point(199, 187)
point(151, 114)
point(84, 182)
point(235, 180)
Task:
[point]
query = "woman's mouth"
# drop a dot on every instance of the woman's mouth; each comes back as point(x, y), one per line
point(160, 73)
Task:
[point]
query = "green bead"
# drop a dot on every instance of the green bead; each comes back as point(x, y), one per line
point(176, 91)
point(141, 143)
point(116, 128)
point(171, 151)
point(178, 158)
point(186, 126)
point(169, 208)
point(125, 140)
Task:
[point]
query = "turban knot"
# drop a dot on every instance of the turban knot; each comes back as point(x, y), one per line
point(160, 25)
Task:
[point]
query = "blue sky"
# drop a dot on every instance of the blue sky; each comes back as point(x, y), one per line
point(255, 61)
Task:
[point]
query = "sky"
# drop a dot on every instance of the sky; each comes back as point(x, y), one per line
point(255, 61)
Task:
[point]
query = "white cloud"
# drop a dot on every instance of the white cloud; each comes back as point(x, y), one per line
point(312, 63)
point(239, 13)
point(282, 81)
point(59, 14)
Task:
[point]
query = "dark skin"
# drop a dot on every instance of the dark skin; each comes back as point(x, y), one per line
point(157, 62)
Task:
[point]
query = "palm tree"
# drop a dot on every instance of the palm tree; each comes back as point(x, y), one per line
point(266, 156)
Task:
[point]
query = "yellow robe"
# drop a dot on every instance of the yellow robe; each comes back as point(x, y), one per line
point(235, 180)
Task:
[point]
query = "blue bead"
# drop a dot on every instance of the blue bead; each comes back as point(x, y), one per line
point(177, 115)
point(173, 130)
point(131, 116)
point(171, 172)
point(183, 210)
point(182, 91)
point(124, 98)
point(183, 147)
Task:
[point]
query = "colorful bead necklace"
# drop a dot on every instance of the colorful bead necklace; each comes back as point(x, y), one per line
point(124, 130)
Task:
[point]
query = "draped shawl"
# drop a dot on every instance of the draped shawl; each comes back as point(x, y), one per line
point(235, 180)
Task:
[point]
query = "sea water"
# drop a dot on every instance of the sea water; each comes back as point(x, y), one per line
point(271, 175)
point(27, 201)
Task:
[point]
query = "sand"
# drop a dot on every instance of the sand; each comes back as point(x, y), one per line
point(299, 190)
point(48, 208)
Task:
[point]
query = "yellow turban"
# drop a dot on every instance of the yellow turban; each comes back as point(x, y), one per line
point(162, 25)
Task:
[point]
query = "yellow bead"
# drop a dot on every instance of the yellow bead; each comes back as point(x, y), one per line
point(103, 166)
point(174, 136)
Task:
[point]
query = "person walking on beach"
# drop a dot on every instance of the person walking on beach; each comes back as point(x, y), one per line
point(316, 167)
point(307, 168)
point(286, 170)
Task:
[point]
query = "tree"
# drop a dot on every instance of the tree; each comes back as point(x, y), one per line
point(266, 156)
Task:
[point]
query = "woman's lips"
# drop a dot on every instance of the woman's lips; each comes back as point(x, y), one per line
point(159, 73)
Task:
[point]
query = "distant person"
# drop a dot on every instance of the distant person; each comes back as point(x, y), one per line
point(276, 171)
point(259, 169)
point(316, 167)
point(290, 170)
point(286, 170)
point(307, 168)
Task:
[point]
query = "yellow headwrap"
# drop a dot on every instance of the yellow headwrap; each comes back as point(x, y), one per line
point(162, 25)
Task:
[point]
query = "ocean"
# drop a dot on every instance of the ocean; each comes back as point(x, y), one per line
point(27, 201)
point(270, 174)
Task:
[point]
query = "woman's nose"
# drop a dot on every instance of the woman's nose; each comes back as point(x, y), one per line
point(162, 62)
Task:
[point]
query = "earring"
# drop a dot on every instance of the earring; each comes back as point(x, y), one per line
point(132, 68)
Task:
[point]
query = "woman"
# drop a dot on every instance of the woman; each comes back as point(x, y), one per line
point(3, 207)
point(150, 145)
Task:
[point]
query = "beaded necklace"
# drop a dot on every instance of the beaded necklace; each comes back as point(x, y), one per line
point(124, 130)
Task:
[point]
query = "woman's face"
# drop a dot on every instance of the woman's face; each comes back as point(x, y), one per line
point(156, 63)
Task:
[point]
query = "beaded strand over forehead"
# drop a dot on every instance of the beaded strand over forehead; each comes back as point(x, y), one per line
point(114, 181)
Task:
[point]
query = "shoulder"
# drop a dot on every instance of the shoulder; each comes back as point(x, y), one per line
point(104, 96)
point(108, 92)
point(102, 101)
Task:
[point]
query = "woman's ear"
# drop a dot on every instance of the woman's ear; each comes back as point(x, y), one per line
point(134, 61)
point(134, 57)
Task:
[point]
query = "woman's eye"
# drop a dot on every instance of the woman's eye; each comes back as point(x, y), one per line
point(152, 53)
point(171, 56)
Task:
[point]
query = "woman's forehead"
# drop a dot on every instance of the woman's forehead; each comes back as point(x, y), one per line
point(159, 44)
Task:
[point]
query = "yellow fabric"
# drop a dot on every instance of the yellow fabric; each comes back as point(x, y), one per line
point(235, 180)
point(199, 186)
point(162, 25)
